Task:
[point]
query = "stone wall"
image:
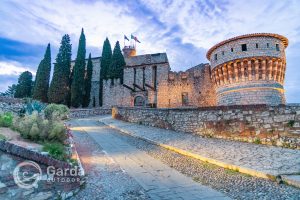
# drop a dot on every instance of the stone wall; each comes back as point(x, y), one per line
point(83, 113)
point(58, 188)
point(251, 92)
point(193, 87)
point(8, 104)
point(139, 81)
point(114, 93)
point(274, 125)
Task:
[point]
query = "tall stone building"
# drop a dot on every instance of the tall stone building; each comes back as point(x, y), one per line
point(247, 69)
point(148, 81)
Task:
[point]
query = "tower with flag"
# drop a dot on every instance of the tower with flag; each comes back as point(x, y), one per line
point(130, 50)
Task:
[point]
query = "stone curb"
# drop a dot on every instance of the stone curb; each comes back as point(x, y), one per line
point(209, 160)
point(293, 180)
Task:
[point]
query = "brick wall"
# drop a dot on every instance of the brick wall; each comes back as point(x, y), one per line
point(274, 125)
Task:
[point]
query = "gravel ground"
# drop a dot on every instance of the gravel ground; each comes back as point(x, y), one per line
point(234, 184)
point(105, 178)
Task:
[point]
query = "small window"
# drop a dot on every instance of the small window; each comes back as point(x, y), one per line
point(267, 45)
point(231, 49)
point(185, 98)
point(223, 53)
point(277, 47)
point(216, 56)
point(256, 45)
point(244, 47)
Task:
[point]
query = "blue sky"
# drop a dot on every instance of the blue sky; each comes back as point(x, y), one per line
point(185, 29)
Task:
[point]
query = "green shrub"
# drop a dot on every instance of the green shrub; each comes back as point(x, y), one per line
point(44, 126)
point(24, 124)
point(58, 132)
point(56, 112)
point(34, 132)
point(55, 150)
point(257, 141)
point(6, 120)
point(44, 129)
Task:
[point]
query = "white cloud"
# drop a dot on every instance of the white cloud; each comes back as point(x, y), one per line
point(39, 22)
point(12, 68)
point(207, 22)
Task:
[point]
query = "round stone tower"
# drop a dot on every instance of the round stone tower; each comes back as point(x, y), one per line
point(249, 69)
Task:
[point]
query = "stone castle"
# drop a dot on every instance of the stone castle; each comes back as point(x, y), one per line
point(247, 69)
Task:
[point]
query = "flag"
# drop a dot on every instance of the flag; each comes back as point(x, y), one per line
point(135, 38)
point(126, 38)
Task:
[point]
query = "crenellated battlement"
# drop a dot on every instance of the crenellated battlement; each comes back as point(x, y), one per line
point(191, 75)
point(192, 87)
point(112, 82)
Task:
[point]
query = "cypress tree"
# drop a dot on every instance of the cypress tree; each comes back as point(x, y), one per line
point(105, 59)
point(42, 78)
point(59, 90)
point(88, 83)
point(77, 89)
point(105, 63)
point(117, 63)
point(24, 86)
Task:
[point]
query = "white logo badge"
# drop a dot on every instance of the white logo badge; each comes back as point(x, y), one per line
point(27, 174)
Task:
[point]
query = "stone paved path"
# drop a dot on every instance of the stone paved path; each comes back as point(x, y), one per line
point(266, 159)
point(158, 180)
point(105, 178)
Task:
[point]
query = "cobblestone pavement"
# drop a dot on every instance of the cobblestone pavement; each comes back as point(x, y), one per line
point(159, 180)
point(235, 185)
point(105, 178)
point(262, 158)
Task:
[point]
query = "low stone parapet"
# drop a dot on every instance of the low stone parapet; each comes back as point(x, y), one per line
point(274, 125)
point(83, 113)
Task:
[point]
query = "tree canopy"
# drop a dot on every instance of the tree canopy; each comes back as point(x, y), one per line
point(24, 86)
point(88, 83)
point(41, 85)
point(78, 86)
point(59, 90)
point(117, 64)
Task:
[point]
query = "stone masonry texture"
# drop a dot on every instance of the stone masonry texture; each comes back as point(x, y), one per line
point(273, 125)
point(249, 69)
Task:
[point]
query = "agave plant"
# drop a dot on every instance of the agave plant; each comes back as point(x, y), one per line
point(34, 106)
